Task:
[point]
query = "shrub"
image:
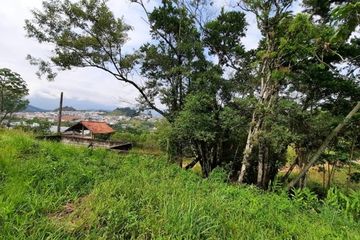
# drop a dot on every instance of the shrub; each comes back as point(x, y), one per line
point(355, 177)
point(348, 203)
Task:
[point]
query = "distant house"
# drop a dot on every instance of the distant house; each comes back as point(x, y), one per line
point(91, 129)
point(69, 118)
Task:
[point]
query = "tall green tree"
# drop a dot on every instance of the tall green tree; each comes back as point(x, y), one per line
point(13, 89)
point(283, 45)
point(334, 79)
point(180, 69)
point(173, 57)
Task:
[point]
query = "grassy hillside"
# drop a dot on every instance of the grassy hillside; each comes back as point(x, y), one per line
point(48, 190)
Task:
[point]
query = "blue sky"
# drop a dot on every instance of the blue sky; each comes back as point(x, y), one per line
point(83, 88)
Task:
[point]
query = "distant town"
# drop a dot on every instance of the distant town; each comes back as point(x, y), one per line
point(70, 115)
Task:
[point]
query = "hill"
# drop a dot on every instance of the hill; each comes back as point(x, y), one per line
point(125, 111)
point(52, 191)
point(31, 108)
point(66, 108)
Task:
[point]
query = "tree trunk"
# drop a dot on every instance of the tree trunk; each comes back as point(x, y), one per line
point(267, 170)
point(302, 182)
point(323, 146)
point(324, 177)
point(261, 164)
point(328, 176)
point(268, 85)
point(331, 174)
point(289, 171)
point(250, 143)
point(264, 166)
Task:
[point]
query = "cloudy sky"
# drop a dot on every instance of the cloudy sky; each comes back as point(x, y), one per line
point(83, 88)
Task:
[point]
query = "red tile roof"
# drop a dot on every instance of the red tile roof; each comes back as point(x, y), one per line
point(97, 127)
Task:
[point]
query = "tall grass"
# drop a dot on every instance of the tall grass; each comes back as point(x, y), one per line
point(52, 191)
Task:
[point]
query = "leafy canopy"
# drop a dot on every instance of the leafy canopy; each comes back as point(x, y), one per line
point(13, 89)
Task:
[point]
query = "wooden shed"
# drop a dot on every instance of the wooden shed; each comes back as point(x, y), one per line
point(91, 129)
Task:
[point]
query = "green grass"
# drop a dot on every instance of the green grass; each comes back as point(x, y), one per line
point(53, 191)
point(314, 179)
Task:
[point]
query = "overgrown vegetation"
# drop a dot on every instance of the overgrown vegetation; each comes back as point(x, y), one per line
point(149, 136)
point(227, 106)
point(49, 190)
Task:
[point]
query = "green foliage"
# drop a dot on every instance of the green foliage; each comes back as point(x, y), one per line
point(223, 37)
point(290, 154)
point(355, 177)
point(36, 125)
point(346, 17)
point(173, 56)
point(305, 198)
point(13, 89)
point(85, 33)
point(145, 135)
point(348, 203)
point(197, 121)
point(53, 191)
point(125, 111)
point(297, 40)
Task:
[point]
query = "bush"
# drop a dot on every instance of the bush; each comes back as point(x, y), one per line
point(355, 177)
point(347, 203)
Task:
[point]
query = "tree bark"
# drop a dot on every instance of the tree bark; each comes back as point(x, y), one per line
point(260, 173)
point(324, 177)
point(267, 170)
point(289, 171)
point(253, 131)
point(323, 146)
point(331, 174)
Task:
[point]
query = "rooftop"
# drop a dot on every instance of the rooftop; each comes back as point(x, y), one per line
point(92, 126)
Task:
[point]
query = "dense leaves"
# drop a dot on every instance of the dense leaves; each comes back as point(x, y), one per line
point(13, 89)
point(226, 106)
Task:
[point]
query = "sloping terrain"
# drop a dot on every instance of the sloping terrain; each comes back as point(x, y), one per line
point(53, 191)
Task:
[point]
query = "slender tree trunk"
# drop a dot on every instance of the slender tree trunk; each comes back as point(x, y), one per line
point(268, 85)
point(267, 169)
point(289, 171)
point(261, 164)
point(332, 173)
point(253, 132)
point(3, 117)
point(328, 176)
point(323, 146)
point(205, 164)
point(324, 177)
point(302, 182)
point(257, 118)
